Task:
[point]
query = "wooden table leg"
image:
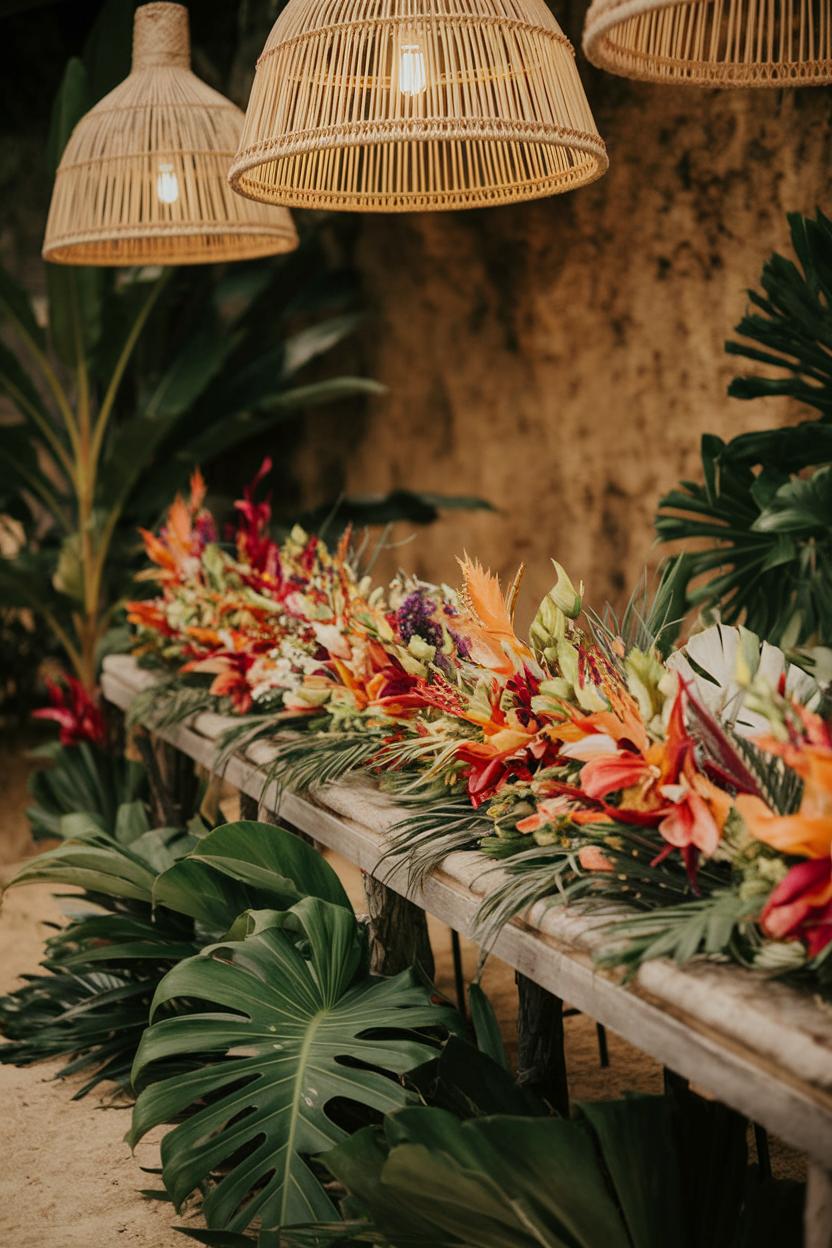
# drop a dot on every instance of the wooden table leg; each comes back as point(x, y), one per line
point(818, 1216)
point(398, 932)
point(174, 784)
point(541, 1060)
point(249, 808)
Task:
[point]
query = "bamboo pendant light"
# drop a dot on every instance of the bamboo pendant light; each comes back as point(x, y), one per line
point(713, 43)
point(144, 177)
point(399, 105)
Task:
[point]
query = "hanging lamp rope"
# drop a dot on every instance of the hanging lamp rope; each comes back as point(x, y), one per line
point(399, 105)
point(713, 43)
point(143, 179)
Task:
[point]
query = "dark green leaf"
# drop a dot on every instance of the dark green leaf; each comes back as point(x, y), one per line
point(285, 1025)
point(486, 1027)
point(71, 102)
point(246, 866)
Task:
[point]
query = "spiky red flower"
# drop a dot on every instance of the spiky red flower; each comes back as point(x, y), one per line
point(75, 711)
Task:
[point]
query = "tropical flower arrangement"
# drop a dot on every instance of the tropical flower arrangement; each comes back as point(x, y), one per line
point(592, 765)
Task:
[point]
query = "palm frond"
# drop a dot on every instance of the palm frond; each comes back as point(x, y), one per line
point(305, 760)
point(419, 758)
point(651, 619)
point(790, 327)
point(779, 786)
point(170, 702)
point(720, 925)
point(554, 871)
point(431, 833)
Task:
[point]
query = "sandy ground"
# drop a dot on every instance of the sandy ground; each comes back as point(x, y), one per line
point(67, 1179)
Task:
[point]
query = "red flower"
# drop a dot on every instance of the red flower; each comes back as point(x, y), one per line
point(254, 545)
point(800, 908)
point(488, 770)
point(75, 711)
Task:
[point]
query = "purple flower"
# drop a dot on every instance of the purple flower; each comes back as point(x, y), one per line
point(463, 646)
point(414, 619)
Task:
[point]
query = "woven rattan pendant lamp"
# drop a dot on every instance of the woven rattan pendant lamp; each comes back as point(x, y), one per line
point(144, 177)
point(396, 105)
point(713, 43)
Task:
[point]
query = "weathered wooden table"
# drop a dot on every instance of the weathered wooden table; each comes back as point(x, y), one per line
point(755, 1044)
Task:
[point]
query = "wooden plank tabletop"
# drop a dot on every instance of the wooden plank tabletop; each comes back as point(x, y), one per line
point(756, 1044)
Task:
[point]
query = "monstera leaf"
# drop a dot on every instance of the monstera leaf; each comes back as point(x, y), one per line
point(297, 1025)
point(246, 866)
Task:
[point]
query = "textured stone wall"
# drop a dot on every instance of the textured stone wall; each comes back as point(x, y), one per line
point(562, 358)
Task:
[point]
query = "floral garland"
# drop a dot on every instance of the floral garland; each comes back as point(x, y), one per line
point(696, 788)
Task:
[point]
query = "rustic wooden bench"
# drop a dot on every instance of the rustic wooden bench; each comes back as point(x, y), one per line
point(755, 1044)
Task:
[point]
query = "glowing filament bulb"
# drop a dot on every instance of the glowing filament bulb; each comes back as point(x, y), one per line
point(412, 77)
point(167, 184)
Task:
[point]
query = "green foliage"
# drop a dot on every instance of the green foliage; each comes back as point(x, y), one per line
point(486, 1027)
point(83, 780)
point(640, 1173)
point(491, 1182)
point(122, 427)
point(791, 323)
point(435, 829)
point(766, 552)
point(135, 380)
point(246, 866)
point(719, 924)
point(470, 1084)
point(299, 1024)
point(153, 907)
point(102, 969)
point(761, 524)
point(310, 759)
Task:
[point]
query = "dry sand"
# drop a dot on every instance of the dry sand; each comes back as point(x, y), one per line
point(67, 1179)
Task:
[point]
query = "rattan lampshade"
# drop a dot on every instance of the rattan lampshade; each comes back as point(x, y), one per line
point(395, 105)
point(713, 43)
point(144, 177)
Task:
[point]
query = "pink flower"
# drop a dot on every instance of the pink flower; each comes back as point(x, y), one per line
point(690, 821)
point(609, 773)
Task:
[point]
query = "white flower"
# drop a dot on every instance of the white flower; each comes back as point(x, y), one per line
point(332, 639)
point(597, 743)
point(719, 664)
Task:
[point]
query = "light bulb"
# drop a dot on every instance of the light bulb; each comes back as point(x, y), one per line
point(167, 184)
point(412, 77)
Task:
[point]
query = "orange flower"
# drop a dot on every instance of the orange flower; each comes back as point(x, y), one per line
point(489, 628)
point(807, 833)
point(623, 725)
